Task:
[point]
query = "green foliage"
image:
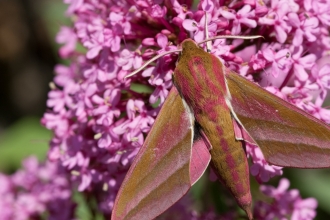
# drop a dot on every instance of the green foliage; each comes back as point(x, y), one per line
point(22, 139)
point(312, 183)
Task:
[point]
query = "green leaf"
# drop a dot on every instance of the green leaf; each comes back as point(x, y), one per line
point(24, 138)
point(312, 183)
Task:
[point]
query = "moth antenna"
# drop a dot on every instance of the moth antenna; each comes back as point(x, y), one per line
point(208, 43)
point(231, 37)
point(150, 61)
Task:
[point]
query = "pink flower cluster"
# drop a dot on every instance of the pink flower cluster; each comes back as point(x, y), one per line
point(35, 191)
point(285, 205)
point(100, 120)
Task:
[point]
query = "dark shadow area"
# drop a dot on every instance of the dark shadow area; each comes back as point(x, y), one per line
point(27, 59)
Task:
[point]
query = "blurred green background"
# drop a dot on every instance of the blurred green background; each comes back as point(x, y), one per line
point(28, 53)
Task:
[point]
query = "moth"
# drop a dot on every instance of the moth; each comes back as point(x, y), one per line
point(199, 124)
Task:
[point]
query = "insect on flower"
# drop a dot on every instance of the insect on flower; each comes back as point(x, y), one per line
point(208, 116)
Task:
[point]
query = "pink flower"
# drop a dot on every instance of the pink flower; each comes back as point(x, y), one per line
point(277, 17)
point(35, 190)
point(307, 27)
point(279, 60)
point(301, 64)
point(143, 118)
point(181, 10)
point(101, 40)
point(198, 28)
point(243, 16)
point(257, 61)
point(285, 203)
point(100, 120)
point(260, 168)
point(320, 9)
point(322, 75)
point(128, 60)
point(304, 209)
point(121, 20)
point(66, 36)
point(106, 110)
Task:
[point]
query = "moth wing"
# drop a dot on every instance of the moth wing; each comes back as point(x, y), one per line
point(162, 171)
point(287, 136)
point(200, 159)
